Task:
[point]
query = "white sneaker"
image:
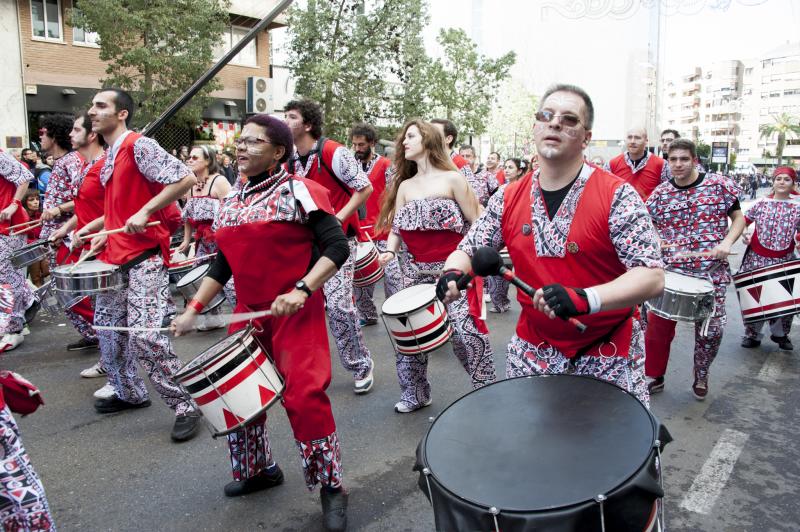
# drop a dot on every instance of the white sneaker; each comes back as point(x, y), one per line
point(106, 392)
point(401, 407)
point(209, 322)
point(364, 385)
point(94, 371)
point(25, 331)
point(487, 298)
point(10, 341)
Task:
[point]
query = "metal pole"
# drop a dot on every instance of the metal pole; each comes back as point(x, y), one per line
point(151, 128)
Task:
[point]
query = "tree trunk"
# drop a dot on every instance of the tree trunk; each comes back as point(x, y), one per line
point(779, 148)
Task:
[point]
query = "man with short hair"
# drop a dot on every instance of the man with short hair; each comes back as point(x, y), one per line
point(637, 165)
point(57, 208)
point(379, 171)
point(330, 164)
point(584, 237)
point(667, 136)
point(485, 180)
point(88, 200)
point(691, 213)
point(495, 167)
point(450, 134)
point(142, 183)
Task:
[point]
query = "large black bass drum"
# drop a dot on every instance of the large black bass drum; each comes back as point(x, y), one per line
point(556, 452)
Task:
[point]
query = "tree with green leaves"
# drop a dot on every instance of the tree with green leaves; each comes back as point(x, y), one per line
point(784, 126)
point(156, 49)
point(462, 83)
point(360, 65)
point(511, 120)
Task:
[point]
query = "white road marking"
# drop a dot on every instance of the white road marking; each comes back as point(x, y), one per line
point(771, 369)
point(712, 478)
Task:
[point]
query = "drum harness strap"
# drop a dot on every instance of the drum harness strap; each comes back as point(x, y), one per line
point(606, 339)
point(128, 266)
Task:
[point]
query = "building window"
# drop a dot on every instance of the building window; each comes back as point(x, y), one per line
point(46, 19)
point(248, 55)
point(81, 36)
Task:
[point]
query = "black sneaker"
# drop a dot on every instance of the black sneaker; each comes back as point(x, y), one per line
point(83, 344)
point(31, 311)
point(334, 509)
point(655, 385)
point(750, 343)
point(784, 344)
point(263, 481)
point(115, 404)
point(185, 426)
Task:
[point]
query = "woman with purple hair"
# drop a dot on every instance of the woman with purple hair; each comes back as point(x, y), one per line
point(278, 237)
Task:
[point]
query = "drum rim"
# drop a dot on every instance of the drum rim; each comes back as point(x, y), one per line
point(185, 368)
point(422, 306)
point(424, 449)
point(194, 268)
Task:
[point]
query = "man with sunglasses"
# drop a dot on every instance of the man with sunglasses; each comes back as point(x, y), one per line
point(637, 166)
point(142, 183)
point(332, 165)
point(583, 238)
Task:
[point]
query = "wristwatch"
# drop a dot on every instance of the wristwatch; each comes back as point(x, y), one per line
point(301, 285)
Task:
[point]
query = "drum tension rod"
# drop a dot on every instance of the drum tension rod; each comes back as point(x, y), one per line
point(600, 499)
point(495, 512)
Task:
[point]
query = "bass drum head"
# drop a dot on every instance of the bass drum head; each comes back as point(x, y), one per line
point(409, 299)
point(193, 275)
point(534, 444)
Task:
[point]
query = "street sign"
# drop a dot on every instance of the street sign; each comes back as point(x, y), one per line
point(719, 152)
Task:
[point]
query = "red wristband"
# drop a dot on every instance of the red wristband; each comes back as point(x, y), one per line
point(196, 305)
point(17, 202)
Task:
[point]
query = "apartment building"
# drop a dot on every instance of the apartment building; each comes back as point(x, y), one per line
point(59, 68)
point(729, 101)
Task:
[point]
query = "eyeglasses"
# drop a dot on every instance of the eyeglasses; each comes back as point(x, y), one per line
point(42, 131)
point(194, 158)
point(564, 120)
point(251, 142)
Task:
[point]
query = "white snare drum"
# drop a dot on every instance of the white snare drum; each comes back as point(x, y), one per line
point(89, 278)
point(189, 284)
point(685, 298)
point(232, 382)
point(416, 320)
point(368, 269)
point(769, 292)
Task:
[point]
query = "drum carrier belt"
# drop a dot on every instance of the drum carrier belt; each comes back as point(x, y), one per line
point(125, 268)
point(607, 337)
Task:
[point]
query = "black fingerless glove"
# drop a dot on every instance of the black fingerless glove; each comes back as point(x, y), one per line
point(565, 301)
point(444, 280)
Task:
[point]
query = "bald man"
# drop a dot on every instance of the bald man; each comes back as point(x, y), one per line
point(638, 166)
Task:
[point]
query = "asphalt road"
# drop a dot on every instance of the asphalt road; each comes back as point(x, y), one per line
point(733, 465)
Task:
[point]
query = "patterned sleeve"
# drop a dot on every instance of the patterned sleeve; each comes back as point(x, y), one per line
point(607, 167)
point(347, 169)
point(156, 164)
point(486, 231)
point(632, 231)
point(753, 212)
point(13, 170)
point(730, 191)
point(666, 174)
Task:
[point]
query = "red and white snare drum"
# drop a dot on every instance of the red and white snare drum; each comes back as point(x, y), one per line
point(769, 292)
point(232, 382)
point(416, 320)
point(368, 270)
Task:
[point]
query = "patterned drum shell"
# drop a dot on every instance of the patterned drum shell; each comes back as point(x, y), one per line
point(685, 298)
point(189, 284)
point(416, 320)
point(367, 268)
point(769, 292)
point(232, 382)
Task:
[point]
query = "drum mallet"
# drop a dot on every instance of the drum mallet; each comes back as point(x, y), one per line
point(487, 261)
point(114, 231)
point(29, 228)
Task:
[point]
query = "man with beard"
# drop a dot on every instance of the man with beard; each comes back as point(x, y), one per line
point(638, 166)
point(330, 164)
point(379, 171)
point(584, 237)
